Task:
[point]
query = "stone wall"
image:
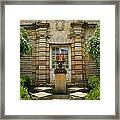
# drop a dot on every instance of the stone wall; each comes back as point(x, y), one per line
point(43, 34)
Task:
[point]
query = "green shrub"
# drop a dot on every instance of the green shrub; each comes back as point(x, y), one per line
point(93, 46)
point(25, 81)
point(24, 93)
point(93, 81)
point(94, 94)
point(94, 86)
point(25, 47)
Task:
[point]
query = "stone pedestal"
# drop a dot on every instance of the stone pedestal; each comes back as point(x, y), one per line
point(60, 81)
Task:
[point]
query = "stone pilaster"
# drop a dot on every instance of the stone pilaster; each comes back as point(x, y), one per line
point(78, 66)
point(42, 73)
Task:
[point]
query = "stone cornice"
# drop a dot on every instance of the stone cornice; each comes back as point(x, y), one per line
point(82, 24)
point(36, 25)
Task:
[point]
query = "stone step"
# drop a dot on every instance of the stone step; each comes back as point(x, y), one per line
point(60, 96)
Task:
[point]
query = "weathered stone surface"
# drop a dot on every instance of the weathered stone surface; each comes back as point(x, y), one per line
point(42, 67)
point(77, 48)
point(77, 40)
point(42, 58)
point(41, 37)
point(42, 95)
point(42, 44)
point(78, 66)
point(41, 89)
point(78, 57)
point(74, 89)
point(42, 62)
point(77, 95)
point(42, 71)
point(60, 83)
point(42, 48)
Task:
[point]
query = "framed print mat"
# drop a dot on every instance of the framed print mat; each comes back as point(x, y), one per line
point(60, 59)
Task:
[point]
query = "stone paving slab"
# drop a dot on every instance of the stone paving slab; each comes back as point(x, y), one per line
point(40, 89)
point(77, 95)
point(42, 95)
point(77, 89)
point(60, 96)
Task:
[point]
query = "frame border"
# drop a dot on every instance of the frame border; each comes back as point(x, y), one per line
point(62, 2)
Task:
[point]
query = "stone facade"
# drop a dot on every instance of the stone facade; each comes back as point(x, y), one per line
point(45, 34)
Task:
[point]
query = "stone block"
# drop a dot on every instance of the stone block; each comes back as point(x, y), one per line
point(78, 62)
point(42, 67)
point(33, 62)
point(73, 49)
point(77, 48)
point(42, 62)
point(48, 49)
point(47, 45)
point(42, 53)
point(42, 77)
point(42, 40)
point(42, 58)
point(48, 62)
point(72, 53)
point(42, 48)
point(78, 66)
point(42, 44)
point(77, 44)
point(78, 57)
point(78, 53)
point(72, 45)
point(77, 37)
point(73, 72)
point(48, 53)
point(47, 71)
point(77, 40)
point(41, 72)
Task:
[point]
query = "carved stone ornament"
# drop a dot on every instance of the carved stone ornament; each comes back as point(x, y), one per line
point(60, 25)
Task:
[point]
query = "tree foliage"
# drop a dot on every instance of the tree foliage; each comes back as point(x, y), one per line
point(25, 47)
point(93, 46)
point(93, 49)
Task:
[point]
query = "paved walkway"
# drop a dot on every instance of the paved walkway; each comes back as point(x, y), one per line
point(45, 93)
